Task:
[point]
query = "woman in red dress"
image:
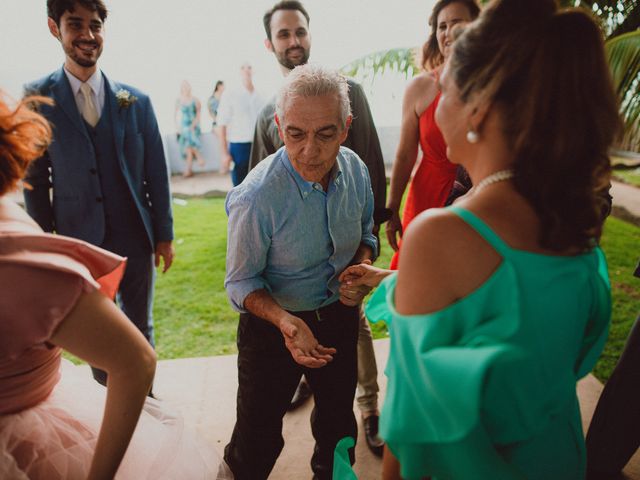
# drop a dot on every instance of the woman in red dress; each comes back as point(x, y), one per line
point(435, 176)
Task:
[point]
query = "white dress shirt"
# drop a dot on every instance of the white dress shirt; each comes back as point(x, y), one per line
point(238, 111)
point(96, 82)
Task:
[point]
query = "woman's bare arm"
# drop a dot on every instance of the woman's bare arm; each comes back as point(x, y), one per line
point(420, 92)
point(196, 121)
point(99, 333)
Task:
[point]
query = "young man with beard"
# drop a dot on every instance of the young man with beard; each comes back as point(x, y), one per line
point(106, 166)
point(287, 27)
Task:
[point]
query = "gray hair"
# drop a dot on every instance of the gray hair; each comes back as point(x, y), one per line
point(312, 80)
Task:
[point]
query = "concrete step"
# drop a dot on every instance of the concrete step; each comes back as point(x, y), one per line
point(204, 391)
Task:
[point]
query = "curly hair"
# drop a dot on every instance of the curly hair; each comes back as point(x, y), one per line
point(431, 55)
point(559, 108)
point(24, 136)
point(56, 8)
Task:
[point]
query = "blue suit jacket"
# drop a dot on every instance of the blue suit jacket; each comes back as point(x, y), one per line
point(73, 209)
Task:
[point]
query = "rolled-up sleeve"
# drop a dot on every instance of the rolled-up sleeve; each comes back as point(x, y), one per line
point(248, 242)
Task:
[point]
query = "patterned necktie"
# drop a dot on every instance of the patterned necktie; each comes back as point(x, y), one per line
point(89, 110)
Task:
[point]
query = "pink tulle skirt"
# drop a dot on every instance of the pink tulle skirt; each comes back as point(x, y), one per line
point(56, 439)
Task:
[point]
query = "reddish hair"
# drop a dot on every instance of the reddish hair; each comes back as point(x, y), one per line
point(24, 136)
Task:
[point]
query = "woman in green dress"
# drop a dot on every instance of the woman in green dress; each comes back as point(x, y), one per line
point(502, 302)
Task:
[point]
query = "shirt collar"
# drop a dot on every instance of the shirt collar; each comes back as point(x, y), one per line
point(95, 81)
point(305, 187)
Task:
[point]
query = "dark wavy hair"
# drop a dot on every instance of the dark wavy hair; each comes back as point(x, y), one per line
point(24, 136)
point(545, 69)
point(431, 55)
point(283, 5)
point(56, 8)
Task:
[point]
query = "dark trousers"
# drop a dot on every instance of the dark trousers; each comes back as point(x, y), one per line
point(614, 433)
point(268, 376)
point(135, 298)
point(240, 152)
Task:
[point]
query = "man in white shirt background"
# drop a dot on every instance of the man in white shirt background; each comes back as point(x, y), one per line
point(237, 115)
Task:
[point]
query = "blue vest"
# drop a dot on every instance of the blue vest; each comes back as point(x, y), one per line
point(124, 230)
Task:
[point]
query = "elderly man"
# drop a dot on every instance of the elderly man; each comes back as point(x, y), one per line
point(288, 37)
point(299, 218)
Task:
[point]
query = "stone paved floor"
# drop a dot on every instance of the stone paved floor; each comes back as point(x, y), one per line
point(203, 390)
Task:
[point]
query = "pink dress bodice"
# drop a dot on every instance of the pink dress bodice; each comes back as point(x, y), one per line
point(50, 416)
point(29, 380)
point(42, 276)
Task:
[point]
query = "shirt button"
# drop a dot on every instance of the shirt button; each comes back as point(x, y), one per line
point(99, 199)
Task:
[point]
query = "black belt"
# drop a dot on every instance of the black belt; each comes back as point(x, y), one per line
point(319, 312)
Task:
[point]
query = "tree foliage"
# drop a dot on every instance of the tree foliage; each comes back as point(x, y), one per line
point(623, 53)
point(620, 23)
point(616, 17)
point(402, 60)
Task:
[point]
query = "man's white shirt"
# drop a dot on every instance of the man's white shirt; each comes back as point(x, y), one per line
point(238, 111)
point(96, 82)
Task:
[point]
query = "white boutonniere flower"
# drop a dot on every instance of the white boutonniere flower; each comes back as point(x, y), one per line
point(125, 98)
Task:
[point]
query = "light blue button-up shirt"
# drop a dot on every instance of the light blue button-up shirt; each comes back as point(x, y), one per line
point(288, 236)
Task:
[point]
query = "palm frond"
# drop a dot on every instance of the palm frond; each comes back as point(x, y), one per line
point(623, 53)
point(615, 16)
point(399, 60)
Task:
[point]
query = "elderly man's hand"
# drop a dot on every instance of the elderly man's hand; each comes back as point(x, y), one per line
point(303, 346)
point(352, 295)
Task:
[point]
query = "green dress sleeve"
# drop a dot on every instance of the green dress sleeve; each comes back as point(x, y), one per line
point(455, 391)
point(595, 335)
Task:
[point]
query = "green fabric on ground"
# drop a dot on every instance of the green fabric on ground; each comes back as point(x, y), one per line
point(342, 469)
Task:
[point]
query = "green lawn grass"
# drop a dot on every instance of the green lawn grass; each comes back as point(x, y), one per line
point(631, 176)
point(193, 317)
point(620, 243)
point(626, 169)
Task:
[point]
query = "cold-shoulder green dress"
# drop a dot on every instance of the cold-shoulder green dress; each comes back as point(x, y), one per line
point(486, 387)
